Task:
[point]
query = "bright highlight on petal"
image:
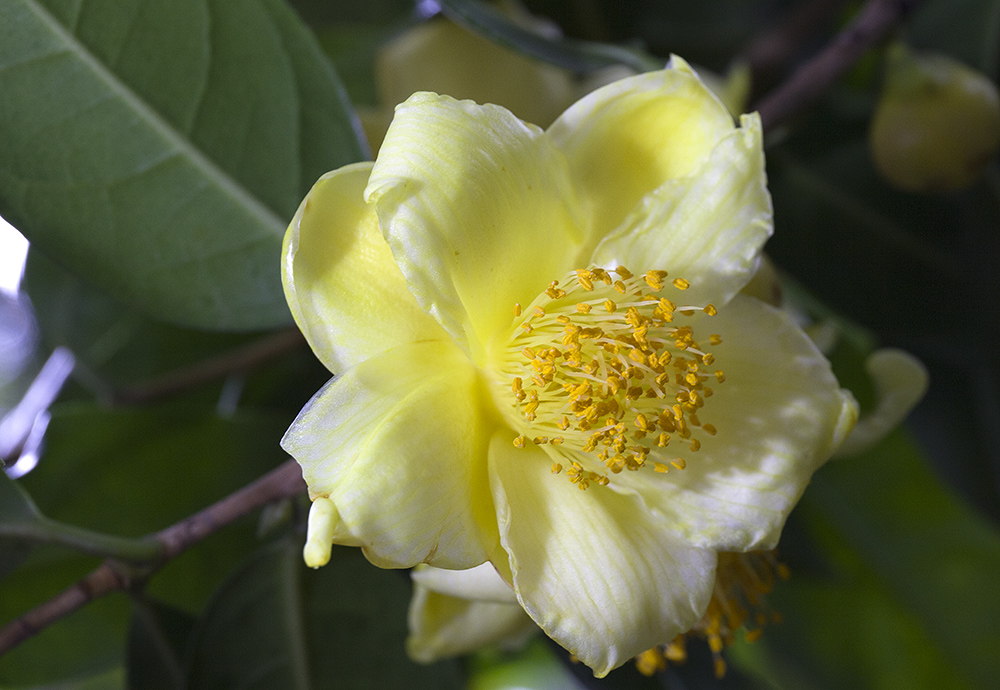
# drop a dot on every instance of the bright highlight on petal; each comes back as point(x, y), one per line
point(517, 315)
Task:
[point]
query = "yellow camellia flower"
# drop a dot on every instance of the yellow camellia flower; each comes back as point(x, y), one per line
point(543, 362)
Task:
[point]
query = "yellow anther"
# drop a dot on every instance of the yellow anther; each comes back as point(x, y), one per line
point(556, 468)
point(681, 284)
point(517, 309)
point(519, 441)
point(660, 467)
point(708, 429)
point(715, 339)
point(622, 374)
point(654, 279)
point(710, 309)
point(720, 375)
point(678, 463)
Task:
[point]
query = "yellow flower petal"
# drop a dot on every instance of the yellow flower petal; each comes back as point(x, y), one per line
point(707, 228)
point(443, 626)
point(593, 569)
point(477, 208)
point(777, 417)
point(344, 289)
point(481, 583)
point(627, 138)
point(397, 444)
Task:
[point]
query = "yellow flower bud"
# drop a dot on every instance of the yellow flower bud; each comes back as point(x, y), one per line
point(937, 124)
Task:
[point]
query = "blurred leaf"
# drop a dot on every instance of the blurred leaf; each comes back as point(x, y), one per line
point(901, 589)
point(16, 508)
point(159, 147)
point(132, 472)
point(85, 644)
point(965, 29)
point(113, 679)
point(156, 466)
point(277, 625)
point(571, 54)
point(157, 642)
point(21, 523)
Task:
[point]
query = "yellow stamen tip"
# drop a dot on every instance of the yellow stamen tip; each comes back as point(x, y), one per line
point(323, 519)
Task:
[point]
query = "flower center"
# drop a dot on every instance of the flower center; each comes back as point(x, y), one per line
point(608, 367)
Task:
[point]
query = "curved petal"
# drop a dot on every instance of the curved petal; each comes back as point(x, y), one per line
point(398, 443)
point(478, 210)
point(482, 583)
point(343, 287)
point(779, 415)
point(707, 228)
point(600, 574)
point(627, 138)
point(443, 626)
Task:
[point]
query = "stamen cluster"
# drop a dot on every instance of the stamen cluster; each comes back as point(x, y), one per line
point(605, 366)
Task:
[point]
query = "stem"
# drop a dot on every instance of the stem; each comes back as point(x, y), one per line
point(47, 531)
point(111, 576)
point(812, 79)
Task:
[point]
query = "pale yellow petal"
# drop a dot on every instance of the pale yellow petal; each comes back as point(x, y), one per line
point(778, 416)
point(344, 289)
point(477, 208)
point(398, 444)
point(594, 569)
point(443, 626)
point(482, 583)
point(628, 138)
point(707, 228)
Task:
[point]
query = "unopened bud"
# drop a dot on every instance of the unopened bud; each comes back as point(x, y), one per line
point(937, 124)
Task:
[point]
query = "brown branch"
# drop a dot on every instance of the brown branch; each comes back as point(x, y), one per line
point(111, 576)
point(773, 48)
point(240, 359)
point(811, 80)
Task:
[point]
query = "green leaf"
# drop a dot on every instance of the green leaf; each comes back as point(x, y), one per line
point(571, 54)
point(158, 148)
point(87, 643)
point(899, 589)
point(965, 29)
point(22, 524)
point(275, 624)
point(157, 642)
point(112, 679)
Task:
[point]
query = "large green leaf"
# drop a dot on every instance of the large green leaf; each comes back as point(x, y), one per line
point(159, 147)
point(277, 625)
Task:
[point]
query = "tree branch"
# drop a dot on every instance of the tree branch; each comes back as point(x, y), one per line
point(112, 576)
point(811, 80)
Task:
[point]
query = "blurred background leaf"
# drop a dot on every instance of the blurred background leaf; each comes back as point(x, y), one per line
point(276, 625)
